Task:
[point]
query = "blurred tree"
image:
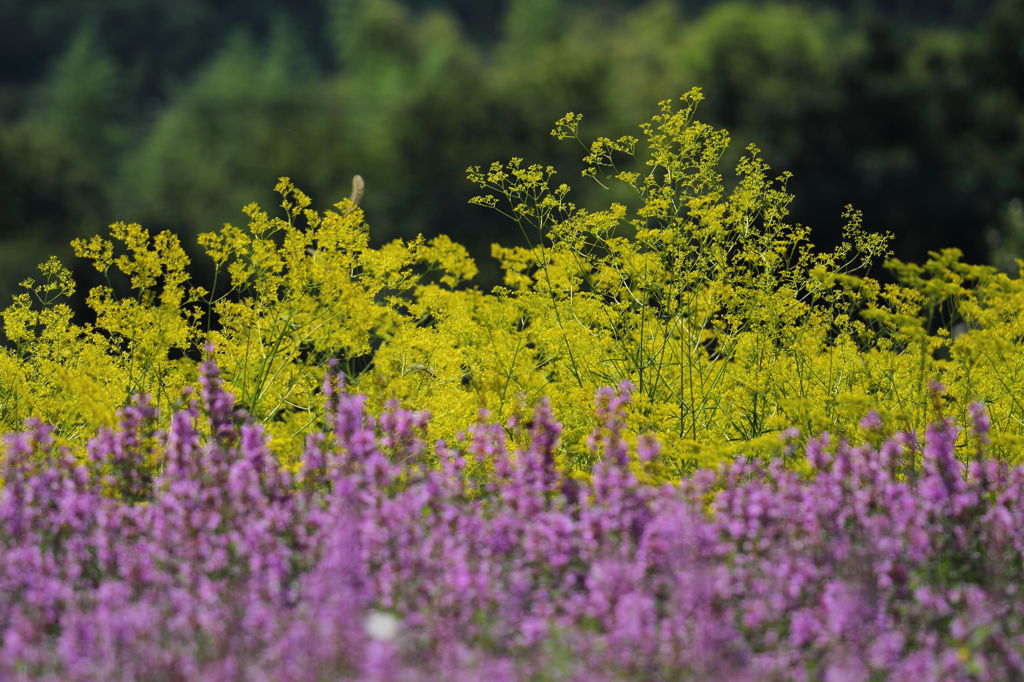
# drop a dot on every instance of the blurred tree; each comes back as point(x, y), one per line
point(251, 115)
point(997, 131)
point(160, 43)
point(530, 22)
point(79, 104)
point(766, 71)
point(47, 197)
point(55, 161)
point(176, 114)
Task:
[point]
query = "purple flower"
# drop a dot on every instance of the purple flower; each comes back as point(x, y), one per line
point(193, 554)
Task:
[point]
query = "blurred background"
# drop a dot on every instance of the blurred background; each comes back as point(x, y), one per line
point(176, 114)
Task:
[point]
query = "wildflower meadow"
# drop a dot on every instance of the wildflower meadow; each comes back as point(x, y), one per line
point(678, 442)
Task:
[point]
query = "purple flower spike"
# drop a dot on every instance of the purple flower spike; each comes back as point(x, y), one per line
point(981, 423)
point(647, 447)
point(943, 471)
point(872, 421)
point(611, 417)
point(218, 402)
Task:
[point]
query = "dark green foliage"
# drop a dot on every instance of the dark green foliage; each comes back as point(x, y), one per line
point(176, 114)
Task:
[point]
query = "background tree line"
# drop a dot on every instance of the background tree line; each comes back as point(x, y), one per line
point(177, 114)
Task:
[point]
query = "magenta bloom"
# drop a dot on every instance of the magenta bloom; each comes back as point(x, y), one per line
point(178, 555)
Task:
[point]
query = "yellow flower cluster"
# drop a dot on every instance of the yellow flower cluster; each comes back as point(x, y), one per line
point(724, 316)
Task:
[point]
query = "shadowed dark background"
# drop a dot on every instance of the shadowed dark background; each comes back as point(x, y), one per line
point(176, 114)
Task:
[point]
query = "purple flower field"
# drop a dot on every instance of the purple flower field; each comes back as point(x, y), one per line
point(189, 555)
